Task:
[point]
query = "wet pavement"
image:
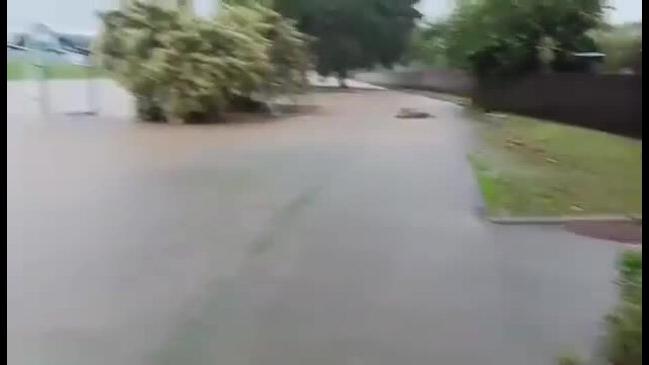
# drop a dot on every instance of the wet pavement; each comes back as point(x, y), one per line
point(342, 237)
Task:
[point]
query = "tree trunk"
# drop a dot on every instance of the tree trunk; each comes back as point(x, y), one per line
point(342, 76)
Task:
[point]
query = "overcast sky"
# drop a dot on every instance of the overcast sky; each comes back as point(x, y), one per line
point(78, 15)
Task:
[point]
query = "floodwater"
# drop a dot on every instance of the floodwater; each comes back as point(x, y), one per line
point(346, 236)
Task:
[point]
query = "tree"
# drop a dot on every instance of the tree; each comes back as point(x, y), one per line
point(546, 52)
point(353, 33)
point(502, 37)
point(621, 44)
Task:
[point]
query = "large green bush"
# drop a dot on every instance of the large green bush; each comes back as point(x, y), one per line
point(185, 68)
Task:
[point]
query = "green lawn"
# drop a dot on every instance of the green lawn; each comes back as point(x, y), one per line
point(22, 70)
point(528, 167)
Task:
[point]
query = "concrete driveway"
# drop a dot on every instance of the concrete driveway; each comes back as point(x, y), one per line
point(345, 237)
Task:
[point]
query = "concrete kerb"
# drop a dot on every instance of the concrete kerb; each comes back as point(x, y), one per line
point(563, 219)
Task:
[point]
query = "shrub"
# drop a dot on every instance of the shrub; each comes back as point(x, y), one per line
point(182, 67)
point(569, 358)
point(624, 324)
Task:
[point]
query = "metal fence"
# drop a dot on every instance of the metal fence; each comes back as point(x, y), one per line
point(35, 66)
point(610, 103)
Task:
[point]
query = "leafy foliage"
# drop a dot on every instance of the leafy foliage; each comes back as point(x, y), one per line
point(624, 325)
point(621, 44)
point(289, 54)
point(428, 45)
point(569, 358)
point(181, 67)
point(353, 33)
point(502, 37)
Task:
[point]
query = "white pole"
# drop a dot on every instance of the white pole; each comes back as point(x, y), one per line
point(39, 40)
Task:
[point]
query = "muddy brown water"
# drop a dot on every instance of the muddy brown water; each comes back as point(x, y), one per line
point(345, 236)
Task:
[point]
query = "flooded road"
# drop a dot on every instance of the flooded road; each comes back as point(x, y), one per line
point(342, 237)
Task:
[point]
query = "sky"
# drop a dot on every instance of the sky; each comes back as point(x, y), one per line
point(78, 15)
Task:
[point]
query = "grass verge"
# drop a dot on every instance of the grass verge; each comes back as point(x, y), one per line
point(528, 167)
point(24, 71)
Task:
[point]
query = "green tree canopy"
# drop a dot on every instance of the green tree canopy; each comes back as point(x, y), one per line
point(503, 37)
point(353, 33)
point(428, 44)
point(622, 45)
